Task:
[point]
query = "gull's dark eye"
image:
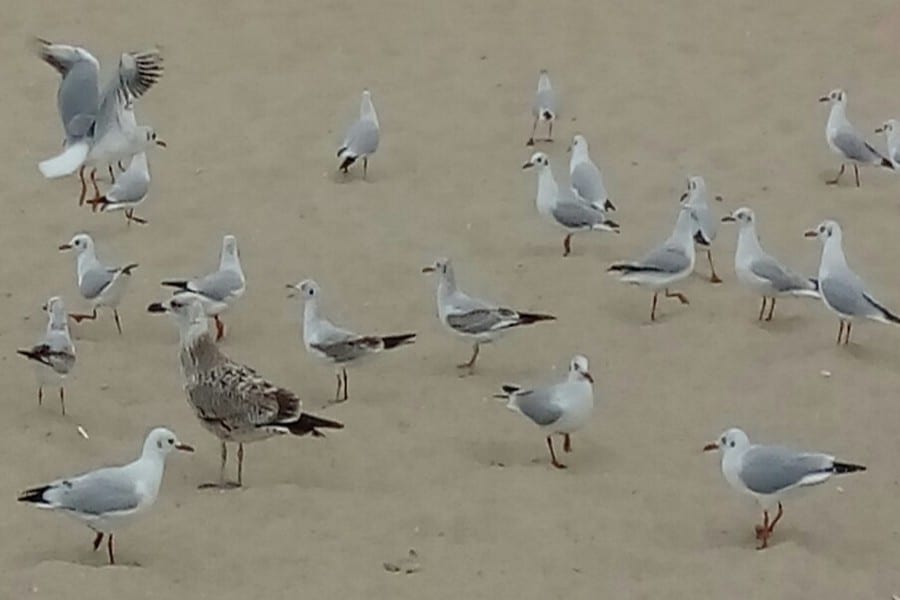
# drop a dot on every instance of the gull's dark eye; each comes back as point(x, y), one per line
point(731, 444)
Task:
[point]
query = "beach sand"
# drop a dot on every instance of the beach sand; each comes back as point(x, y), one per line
point(255, 98)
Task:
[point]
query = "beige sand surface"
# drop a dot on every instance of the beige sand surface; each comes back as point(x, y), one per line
point(254, 99)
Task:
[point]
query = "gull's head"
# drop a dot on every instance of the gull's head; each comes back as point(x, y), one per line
point(539, 160)
point(889, 126)
point(79, 243)
point(440, 266)
point(148, 137)
point(730, 440)
point(824, 231)
point(836, 95)
point(229, 245)
point(186, 308)
point(161, 441)
point(579, 369)
point(306, 289)
point(579, 144)
point(742, 216)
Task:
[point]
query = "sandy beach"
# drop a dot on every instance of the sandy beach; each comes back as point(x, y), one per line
point(253, 103)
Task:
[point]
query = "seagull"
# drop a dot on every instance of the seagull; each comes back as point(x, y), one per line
point(128, 191)
point(472, 318)
point(231, 400)
point(562, 408)
point(707, 224)
point(845, 141)
point(562, 206)
point(769, 473)
point(108, 499)
point(891, 131)
point(667, 264)
point(98, 284)
point(54, 355)
point(843, 292)
point(339, 346)
point(361, 140)
point(218, 290)
point(587, 181)
point(761, 273)
point(97, 124)
point(545, 107)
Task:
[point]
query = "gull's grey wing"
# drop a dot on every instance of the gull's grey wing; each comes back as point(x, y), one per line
point(78, 97)
point(847, 296)
point(665, 259)
point(58, 354)
point(707, 225)
point(538, 406)
point(95, 493)
point(770, 469)
point(361, 139)
point(587, 182)
point(482, 320)
point(349, 349)
point(95, 281)
point(545, 100)
point(781, 278)
point(855, 147)
point(137, 73)
point(218, 286)
point(577, 215)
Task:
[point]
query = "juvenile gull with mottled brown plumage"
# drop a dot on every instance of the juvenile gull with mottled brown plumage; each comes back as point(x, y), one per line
point(232, 401)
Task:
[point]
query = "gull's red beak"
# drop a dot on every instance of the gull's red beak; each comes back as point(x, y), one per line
point(588, 376)
point(810, 234)
point(428, 269)
point(184, 447)
point(711, 446)
point(65, 247)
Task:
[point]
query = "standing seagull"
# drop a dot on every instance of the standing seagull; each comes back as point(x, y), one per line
point(218, 290)
point(768, 473)
point(587, 181)
point(362, 137)
point(472, 318)
point(54, 355)
point(761, 273)
point(92, 118)
point(232, 401)
point(129, 190)
point(845, 141)
point(544, 108)
point(338, 346)
point(563, 408)
point(891, 131)
point(108, 499)
point(667, 264)
point(697, 198)
point(843, 292)
point(562, 206)
point(98, 284)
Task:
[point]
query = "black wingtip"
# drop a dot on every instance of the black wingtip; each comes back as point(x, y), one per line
point(841, 468)
point(608, 205)
point(310, 424)
point(348, 160)
point(392, 341)
point(175, 283)
point(129, 268)
point(887, 164)
point(529, 318)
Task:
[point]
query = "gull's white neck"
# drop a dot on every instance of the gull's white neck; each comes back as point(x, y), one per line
point(580, 154)
point(229, 261)
point(832, 256)
point(731, 466)
point(150, 467)
point(310, 318)
point(547, 190)
point(367, 110)
point(58, 320)
point(837, 118)
point(446, 287)
point(544, 83)
point(87, 260)
point(748, 246)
